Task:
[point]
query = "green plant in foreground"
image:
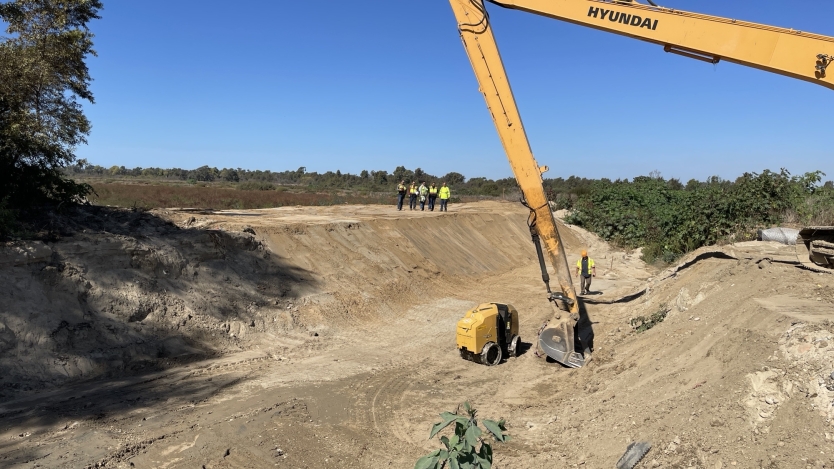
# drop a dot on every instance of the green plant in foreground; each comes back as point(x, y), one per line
point(642, 323)
point(461, 451)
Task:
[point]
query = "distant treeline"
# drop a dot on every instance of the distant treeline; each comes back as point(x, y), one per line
point(371, 181)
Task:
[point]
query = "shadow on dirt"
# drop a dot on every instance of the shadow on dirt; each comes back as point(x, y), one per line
point(524, 347)
point(122, 292)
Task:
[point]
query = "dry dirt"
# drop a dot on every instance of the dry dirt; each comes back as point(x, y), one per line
point(324, 337)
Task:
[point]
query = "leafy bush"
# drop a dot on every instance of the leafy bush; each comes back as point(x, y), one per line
point(668, 219)
point(462, 450)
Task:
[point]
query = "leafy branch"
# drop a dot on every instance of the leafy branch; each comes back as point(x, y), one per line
point(462, 450)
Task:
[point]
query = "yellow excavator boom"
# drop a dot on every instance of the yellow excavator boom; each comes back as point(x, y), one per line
point(796, 54)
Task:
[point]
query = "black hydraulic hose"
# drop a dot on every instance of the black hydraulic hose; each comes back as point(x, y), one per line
point(542, 265)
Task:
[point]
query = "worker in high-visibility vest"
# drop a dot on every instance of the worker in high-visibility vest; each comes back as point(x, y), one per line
point(432, 196)
point(586, 270)
point(423, 191)
point(412, 196)
point(445, 195)
point(401, 190)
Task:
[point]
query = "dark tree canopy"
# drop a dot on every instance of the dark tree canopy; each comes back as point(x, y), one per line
point(43, 78)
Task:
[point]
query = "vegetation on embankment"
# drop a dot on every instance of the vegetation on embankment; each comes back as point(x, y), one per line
point(669, 219)
point(147, 196)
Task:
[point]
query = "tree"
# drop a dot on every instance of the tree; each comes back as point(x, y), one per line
point(43, 76)
point(419, 175)
point(402, 174)
point(454, 178)
point(380, 177)
point(230, 175)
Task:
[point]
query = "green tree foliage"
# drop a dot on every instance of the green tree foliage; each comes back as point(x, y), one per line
point(467, 448)
point(453, 178)
point(43, 78)
point(668, 220)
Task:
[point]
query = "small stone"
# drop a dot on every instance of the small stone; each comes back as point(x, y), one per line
point(770, 400)
point(697, 319)
point(780, 444)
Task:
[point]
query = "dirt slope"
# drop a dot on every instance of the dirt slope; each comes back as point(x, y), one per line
point(351, 365)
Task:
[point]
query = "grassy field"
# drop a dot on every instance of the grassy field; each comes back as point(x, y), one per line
point(148, 196)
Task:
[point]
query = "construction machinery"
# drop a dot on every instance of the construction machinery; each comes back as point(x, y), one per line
point(815, 248)
point(796, 54)
point(488, 333)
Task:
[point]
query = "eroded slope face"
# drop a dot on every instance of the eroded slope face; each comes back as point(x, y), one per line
point(133, 292)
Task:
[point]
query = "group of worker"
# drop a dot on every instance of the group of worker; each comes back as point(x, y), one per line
point(424, 195)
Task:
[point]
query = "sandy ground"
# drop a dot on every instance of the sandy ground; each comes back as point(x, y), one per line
point(324, 337)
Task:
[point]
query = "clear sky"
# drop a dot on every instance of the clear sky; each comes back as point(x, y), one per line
point(373, 84)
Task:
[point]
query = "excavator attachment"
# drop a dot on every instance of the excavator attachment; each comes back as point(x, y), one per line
point(558, 343)
point(815, 248)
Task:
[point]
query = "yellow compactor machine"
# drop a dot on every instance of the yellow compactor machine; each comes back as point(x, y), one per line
point(489, 333)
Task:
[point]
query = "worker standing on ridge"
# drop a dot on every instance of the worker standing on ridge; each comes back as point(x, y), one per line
point(445, 193)
point(432, 196)
point(401, 190)
point(585, 269)
point(412, 196)
point(424, 192)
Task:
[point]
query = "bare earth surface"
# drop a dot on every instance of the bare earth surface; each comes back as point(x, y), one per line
point(324, 337)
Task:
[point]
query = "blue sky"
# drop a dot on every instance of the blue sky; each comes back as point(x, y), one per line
point(373, 84)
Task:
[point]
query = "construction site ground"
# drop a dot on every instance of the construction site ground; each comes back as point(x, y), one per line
point(318, 337)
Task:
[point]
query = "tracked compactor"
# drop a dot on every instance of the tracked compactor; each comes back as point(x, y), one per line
point(815, 248)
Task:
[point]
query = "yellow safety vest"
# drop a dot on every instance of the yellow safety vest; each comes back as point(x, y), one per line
point(590, 265)
point(445, 193)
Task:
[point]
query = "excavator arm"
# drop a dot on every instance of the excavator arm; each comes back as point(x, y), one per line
point(788, 52)
point(796, 54)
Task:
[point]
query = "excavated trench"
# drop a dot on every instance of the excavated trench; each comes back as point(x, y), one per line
point(133, 292)
point(324, 337)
